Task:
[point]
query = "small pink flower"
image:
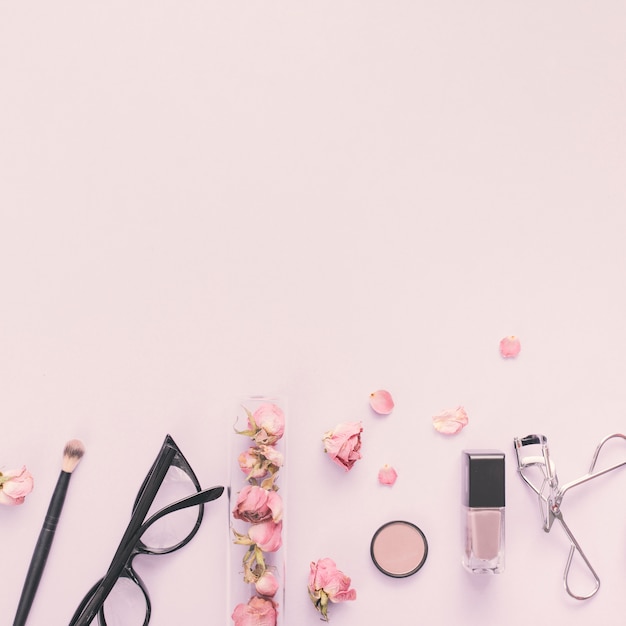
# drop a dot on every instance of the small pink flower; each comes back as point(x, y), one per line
point(266, 425)
point(271, 455)
point(251, 464)
point(267, 585)
point(343, 444)
point(270, 420)
point(382, 402)
point(258, 612)
point(255, 504)
point(15, 485)
point(258, 461)
point(267, 535)
point(450, 421)
point(328, 584)
point(510, 347)
point(387, 475)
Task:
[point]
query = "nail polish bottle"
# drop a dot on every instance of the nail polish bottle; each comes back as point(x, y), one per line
point(483, 511)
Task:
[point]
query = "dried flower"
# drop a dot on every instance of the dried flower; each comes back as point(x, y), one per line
point(450, 421)
point(328, 584)
point(265, 535)
point(15, 485)
point(266, 425)
point(267, 585)
point(259, 505)
point(343, 444)
point(387, 475)
point(510, 347)
point(261, 538)
point(382, 402)
point(259, 461)
point(258, 612)
point(255, 504)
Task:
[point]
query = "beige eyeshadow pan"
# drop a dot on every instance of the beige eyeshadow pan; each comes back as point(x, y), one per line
point(399, 549)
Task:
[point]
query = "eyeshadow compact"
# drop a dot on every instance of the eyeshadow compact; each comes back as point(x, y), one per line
point(399, 549)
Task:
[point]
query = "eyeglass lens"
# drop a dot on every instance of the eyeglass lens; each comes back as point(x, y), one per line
point(125, 605)
point(174, 528)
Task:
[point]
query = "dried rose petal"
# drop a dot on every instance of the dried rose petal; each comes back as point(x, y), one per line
point(387, 475)
point(510, 347)
point(450, 421)
point(382, 402)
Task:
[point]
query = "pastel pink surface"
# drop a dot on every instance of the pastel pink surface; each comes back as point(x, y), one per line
point(305, 200)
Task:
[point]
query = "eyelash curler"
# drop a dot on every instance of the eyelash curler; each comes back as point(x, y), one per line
point(536, 468)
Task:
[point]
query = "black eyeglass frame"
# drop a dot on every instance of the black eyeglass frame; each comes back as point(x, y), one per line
point(131, 545)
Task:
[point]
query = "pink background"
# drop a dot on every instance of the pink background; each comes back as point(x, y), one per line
point(201, 200)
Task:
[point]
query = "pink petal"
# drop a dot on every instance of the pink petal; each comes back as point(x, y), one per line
point(387, 475)
point(266, 535)
point(450, 421)
point(510, 347)
point(4, 499)
point(382, 402)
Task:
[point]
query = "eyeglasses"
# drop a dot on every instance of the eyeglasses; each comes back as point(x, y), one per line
point(172, 498)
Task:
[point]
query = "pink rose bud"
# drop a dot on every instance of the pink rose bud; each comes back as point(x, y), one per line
point(387, 475)
point(258, 461)
point(258, 612)
point(251, 464)
point(272, 456)
point(382, 402)
point(328, 584)
point(267, 585)
point(267, 535)
point(343, 444)
point(255, 504)
point(15, 485)
point(450, 421)
point(270, 423)
point(510, 347)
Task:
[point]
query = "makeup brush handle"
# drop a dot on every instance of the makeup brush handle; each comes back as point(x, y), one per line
point(42, 549)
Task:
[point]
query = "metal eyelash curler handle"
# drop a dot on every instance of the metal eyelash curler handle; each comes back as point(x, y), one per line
point(575, 547)
point(551, 496)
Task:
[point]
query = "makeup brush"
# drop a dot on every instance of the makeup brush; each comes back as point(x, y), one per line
point(72, 454)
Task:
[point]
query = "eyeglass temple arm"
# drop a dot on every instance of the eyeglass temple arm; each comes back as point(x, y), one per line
point(202, 497)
